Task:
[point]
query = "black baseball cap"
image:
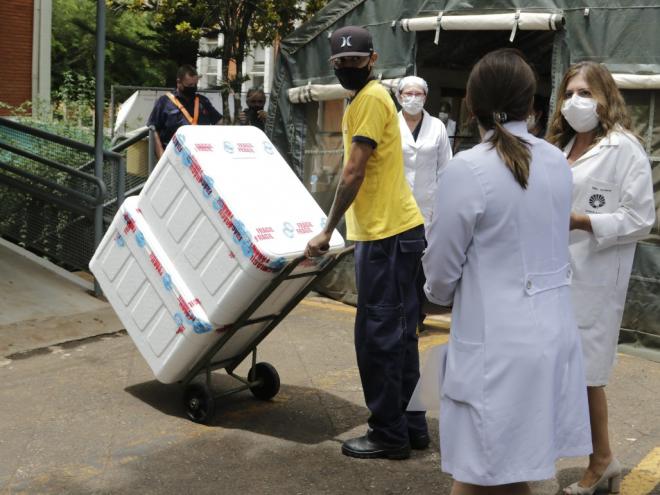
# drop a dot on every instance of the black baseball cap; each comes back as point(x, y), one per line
point(351, 41)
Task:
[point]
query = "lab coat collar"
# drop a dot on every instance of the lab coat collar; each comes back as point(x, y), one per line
point(516, 127)
point(612, 139)
point(407, 134)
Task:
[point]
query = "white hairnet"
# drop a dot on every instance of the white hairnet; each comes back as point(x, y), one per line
point(412, 81)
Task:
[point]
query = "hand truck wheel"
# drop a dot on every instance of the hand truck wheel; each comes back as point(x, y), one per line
point(199, 403)
point(268, 378)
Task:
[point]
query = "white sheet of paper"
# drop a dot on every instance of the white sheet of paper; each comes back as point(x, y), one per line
point(426, 396)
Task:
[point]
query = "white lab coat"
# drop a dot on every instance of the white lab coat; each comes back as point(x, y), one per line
point(612, 184)
point(424, 159)
point(513, 398)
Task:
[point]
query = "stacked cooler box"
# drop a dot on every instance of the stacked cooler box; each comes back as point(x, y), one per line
point(219, 217)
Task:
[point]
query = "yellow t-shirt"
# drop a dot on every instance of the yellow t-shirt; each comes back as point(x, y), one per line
point(384, 205)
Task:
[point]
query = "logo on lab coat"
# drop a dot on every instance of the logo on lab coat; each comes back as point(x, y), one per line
point(597, 201)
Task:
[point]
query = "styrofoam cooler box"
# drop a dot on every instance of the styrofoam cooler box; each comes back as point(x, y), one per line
point(160, 313)
point(230, 214)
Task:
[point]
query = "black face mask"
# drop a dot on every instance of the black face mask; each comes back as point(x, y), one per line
point(189, 91)
point(353, 78)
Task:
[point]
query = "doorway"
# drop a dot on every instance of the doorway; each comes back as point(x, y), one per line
point(446, 68)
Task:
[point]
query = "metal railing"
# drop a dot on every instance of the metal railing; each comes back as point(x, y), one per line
point(49, 195)
point(124, 184)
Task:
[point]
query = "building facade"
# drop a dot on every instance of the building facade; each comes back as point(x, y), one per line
point(258, 66)
point(25, 40)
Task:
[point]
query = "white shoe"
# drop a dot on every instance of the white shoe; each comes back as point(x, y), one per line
point(612, 475)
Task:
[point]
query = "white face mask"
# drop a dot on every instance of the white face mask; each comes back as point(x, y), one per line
point(444, 116)
point(412, 104)
point(580, 113)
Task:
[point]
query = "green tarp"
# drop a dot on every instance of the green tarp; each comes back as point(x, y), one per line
point(304, 58)
point(624, 35)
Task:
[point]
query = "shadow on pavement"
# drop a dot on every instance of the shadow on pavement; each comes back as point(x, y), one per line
point(297, 414)
point(239, 463)
point(567, 476)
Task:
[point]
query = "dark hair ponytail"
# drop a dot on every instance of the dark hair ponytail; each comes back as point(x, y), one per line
point(514, 151)
point(501, 88)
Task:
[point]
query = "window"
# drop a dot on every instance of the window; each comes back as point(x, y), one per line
point(209, 69)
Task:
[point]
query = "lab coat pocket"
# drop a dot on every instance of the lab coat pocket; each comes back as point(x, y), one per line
point(588, 302)
point(464, 373)
point(599, 196)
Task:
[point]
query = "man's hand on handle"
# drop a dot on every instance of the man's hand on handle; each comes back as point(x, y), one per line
point(318, 245)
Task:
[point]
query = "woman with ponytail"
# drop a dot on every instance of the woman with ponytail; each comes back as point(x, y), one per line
point(513, 397)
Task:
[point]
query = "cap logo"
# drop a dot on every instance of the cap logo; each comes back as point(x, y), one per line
point(346, 41)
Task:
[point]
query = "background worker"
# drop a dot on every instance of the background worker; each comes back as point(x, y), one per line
point(388, 229)
point(183, 107)
point(426, 151)
point(254, 114)
point(450, 124)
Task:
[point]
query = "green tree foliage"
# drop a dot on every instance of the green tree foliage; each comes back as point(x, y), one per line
point(179, 24)
point(76, 98)
point(133, 53)
point(276, 18)
point(146, 40)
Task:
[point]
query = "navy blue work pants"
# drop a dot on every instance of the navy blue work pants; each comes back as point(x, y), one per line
point(385, 332)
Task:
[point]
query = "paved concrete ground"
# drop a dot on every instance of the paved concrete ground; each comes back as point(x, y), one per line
point(87, 417)
point(39, 307)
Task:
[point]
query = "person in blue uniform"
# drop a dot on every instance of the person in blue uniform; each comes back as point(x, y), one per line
point(183, 107)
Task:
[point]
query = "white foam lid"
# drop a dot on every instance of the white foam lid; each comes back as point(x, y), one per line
point(255, 183)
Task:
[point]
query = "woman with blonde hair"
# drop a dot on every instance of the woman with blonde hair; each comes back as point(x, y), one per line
point(513, 397)
point(612, 208)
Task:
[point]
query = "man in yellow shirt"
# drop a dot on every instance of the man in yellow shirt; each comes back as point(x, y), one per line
point(388, 229)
